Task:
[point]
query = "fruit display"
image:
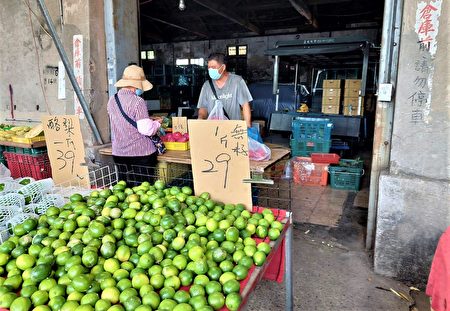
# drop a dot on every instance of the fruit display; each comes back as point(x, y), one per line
point(175, 137)
point(148, 247)
point(7, 132)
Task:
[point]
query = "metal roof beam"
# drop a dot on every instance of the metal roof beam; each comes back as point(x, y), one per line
point(304, 10)
point(322, 2)
point(175, 25)
point(232, 16)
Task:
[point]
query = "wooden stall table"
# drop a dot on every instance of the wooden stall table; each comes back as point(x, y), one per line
point(37, 144)
point(184, 157)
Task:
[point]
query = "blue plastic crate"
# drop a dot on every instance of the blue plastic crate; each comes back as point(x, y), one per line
point(311, 128)
point(304, 148)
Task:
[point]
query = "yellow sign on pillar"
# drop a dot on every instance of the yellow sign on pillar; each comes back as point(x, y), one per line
point(66, 150)
point(179, 124)
point(220, 162)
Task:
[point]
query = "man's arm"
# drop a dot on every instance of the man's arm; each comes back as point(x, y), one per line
point(247, 112)
point(203, 113)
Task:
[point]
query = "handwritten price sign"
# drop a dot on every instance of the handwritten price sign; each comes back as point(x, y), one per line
point(65, 149)
point(179, 124)
point(219, 153)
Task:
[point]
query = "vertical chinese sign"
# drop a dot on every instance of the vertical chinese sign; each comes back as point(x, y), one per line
point(220, 162)
point(78, 71)
point(66, 150)
point(426, 28)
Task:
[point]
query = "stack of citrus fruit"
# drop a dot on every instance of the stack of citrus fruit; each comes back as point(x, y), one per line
point(149, 247)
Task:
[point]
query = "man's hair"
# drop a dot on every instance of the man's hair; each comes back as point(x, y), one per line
point(218, 57)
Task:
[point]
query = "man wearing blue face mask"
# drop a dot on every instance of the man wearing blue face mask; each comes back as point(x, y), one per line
point(229, 88)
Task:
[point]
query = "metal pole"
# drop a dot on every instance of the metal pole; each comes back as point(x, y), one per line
point(295, 84)
point(276, 91)
point(69, 71)
point(390, 43)
point(288, 267)
point(365, 67)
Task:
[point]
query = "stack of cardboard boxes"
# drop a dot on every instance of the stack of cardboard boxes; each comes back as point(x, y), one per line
point(332, 94)
point(353, 101)
point(331, 100)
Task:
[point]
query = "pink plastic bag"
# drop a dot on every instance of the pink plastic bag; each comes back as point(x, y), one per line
point(217, 113)
point(258, 151)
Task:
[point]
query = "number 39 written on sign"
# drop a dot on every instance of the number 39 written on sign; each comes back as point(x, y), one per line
point(67, 157)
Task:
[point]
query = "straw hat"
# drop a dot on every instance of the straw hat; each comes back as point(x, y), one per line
point(134, 76)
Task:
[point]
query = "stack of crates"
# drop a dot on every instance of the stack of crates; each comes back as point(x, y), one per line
point(331, 99)
point(28, 162)
point(2, 159)
point(353, 101)
point(346, 176)
point(310, 135)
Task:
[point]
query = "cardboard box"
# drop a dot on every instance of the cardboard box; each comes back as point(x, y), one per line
point(331, 92)
point(354, 101)
point(352, 92)
point(352, 110)
point(331, 100)
point(353, 84)
point(260, 125)
point(331, 84)
point(330, 109)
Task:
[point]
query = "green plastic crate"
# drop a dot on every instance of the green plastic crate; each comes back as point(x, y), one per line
point(311, 128)
point(304, 148)
point(351, 163)
point(32, 151)
point(345, 178)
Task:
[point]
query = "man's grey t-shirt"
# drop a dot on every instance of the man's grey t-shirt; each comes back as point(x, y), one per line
point(233, 95)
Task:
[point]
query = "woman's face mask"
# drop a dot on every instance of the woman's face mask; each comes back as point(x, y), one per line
point(215, 73)
point(139, 92)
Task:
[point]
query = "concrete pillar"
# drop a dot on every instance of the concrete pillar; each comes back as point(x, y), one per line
point(29, 59)
point(414, 195)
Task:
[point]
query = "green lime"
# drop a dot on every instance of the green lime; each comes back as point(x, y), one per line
point(233, 301)
point(39, 298)
point(216, 300)
point(111, 294)
point(20, 304)
point(152, 299)
point(212, 287)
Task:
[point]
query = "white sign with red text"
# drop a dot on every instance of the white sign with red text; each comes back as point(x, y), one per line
point(78, 71)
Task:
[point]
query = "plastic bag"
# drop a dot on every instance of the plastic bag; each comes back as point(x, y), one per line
point(258, 151)
point(217, 113)
point(254, 134)
point(4, 171)
point(287, 172)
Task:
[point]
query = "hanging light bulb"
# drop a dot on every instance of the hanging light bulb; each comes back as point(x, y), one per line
point(182, 6)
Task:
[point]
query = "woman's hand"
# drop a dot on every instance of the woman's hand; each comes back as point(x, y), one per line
point(157, 119)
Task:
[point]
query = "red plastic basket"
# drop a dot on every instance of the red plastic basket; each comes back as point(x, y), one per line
point(25, 165)
point(327, 158)
point(308, 173)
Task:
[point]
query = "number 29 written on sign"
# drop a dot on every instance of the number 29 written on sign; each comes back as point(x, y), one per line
point(222, 161)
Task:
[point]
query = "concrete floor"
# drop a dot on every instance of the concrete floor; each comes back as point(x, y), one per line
point(332, 270)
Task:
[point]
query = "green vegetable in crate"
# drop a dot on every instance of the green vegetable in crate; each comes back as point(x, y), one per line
point(25, 181)
point(126, 245)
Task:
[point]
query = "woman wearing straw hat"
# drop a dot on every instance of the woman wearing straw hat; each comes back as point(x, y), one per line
point(131, 125)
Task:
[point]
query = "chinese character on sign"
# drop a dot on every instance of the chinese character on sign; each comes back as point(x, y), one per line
point(417, 116)
point(238, 132)
point(426, 25)
point(68, 127)
point(420, 82)
point(418, 99)
point(240, 149)
point(53, 124)
point(421, 65)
